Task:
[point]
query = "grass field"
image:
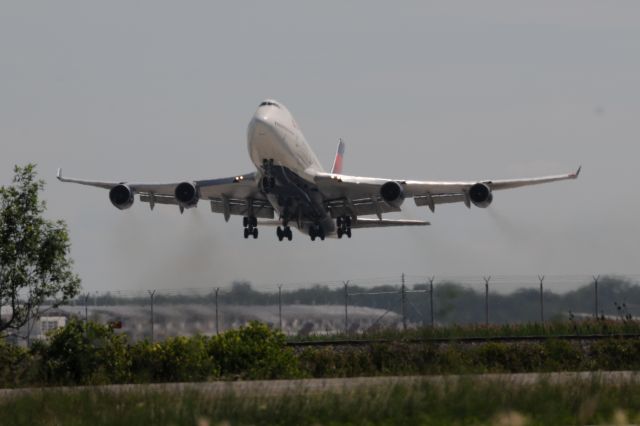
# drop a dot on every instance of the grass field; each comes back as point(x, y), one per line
point(465, 401)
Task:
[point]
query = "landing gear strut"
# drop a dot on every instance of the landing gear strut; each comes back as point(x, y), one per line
point(284, 233)
point(268, 181)
point(344, 226)
point(316, 231)
point(250, 224)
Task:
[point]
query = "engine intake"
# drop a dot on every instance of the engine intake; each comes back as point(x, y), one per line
point(121, 196)
point(392, 193)
point(186, 194)
point(480, 195)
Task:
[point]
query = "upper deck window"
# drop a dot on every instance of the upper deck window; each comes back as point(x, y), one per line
point(266, 103)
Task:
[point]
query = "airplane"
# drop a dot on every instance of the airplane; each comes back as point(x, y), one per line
point(290, 183)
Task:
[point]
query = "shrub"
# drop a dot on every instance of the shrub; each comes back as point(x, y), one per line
point(175, 359)
point(15, 365)
point(254, 351)
point(85, 353)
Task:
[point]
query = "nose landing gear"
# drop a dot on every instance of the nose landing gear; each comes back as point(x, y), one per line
point(268, 181)
point(344, 226)
point(250, 224)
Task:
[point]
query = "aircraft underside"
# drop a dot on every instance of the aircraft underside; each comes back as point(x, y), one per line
point(298, 203)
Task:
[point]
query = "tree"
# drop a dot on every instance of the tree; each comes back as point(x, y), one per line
point(35, 267)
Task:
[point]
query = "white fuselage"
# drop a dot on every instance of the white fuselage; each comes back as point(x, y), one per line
point(274, 134)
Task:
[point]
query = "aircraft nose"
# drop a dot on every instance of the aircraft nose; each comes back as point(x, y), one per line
point(260, 125)
point(262, 122)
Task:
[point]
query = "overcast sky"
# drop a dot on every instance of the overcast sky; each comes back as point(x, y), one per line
point(163, 91)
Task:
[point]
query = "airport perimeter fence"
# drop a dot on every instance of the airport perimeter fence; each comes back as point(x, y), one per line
point(354, 306)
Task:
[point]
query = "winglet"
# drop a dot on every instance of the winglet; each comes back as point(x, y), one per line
point(576, 174)
point(337, 162)
point(59, 174)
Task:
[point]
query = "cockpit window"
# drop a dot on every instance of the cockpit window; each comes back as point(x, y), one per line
point(266, 103)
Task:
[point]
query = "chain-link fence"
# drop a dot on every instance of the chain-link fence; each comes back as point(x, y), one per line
point(353, 306)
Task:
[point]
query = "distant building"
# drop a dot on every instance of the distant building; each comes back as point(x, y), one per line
point(50, 323)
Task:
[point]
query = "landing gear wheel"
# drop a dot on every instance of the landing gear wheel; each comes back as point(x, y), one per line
point(313, 232)
point(343, 225)
point(288, 233)
point(255, 233)
point(280, 233)
point(253, 221)
point(246, 232)
point(245, 221)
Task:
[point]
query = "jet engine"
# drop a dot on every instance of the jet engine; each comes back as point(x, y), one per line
point(480, 195)
point(392, 193)
point(187, 195)
point(121, 196)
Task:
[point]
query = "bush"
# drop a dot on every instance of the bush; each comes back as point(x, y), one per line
point(15, 365)
point(84, 353)
point(175, 359)
point(254, 351)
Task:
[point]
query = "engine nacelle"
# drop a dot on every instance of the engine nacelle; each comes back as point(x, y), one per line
point(121, 196)
point(187, 195)
point(392, 193)
point(480, 195)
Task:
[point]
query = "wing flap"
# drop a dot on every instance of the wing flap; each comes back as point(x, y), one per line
point(384, 223)
point(260, 209)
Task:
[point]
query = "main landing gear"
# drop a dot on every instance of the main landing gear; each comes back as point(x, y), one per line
point(344, 226)
point(250, 224)
point(284, 233)
point(316, 231)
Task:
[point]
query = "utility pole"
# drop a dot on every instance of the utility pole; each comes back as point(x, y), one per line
point(403, 296)
point(280, 305)
point(486, 300)
point(217, 323)
point(595, 286)
point(346, 305)
point(431, 300)
point(152, 295)
point(541, 278)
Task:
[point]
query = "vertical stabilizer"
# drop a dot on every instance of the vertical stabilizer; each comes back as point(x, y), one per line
point(337, 162)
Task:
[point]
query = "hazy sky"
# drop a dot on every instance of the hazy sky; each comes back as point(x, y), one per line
point(163, 91)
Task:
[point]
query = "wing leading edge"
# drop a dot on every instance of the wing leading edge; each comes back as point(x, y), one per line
point(236, 195)
point(362, 195)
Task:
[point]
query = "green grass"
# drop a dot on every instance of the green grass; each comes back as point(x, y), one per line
point(469, 401)
point(554, 328)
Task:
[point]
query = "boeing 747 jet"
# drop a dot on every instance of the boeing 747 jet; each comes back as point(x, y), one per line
point(291, 185)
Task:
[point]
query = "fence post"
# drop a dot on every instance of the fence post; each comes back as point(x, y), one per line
point(541, 278)
point(86, 308)
point(486, 299)
point(152, 295)
point(402, 304)
point(346, 304)
point(280, 305)
point(217, 319)
point(431, 300)
point(595, 287)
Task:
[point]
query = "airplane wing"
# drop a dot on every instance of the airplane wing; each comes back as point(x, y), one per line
point(236, 195)
point(353, 195)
